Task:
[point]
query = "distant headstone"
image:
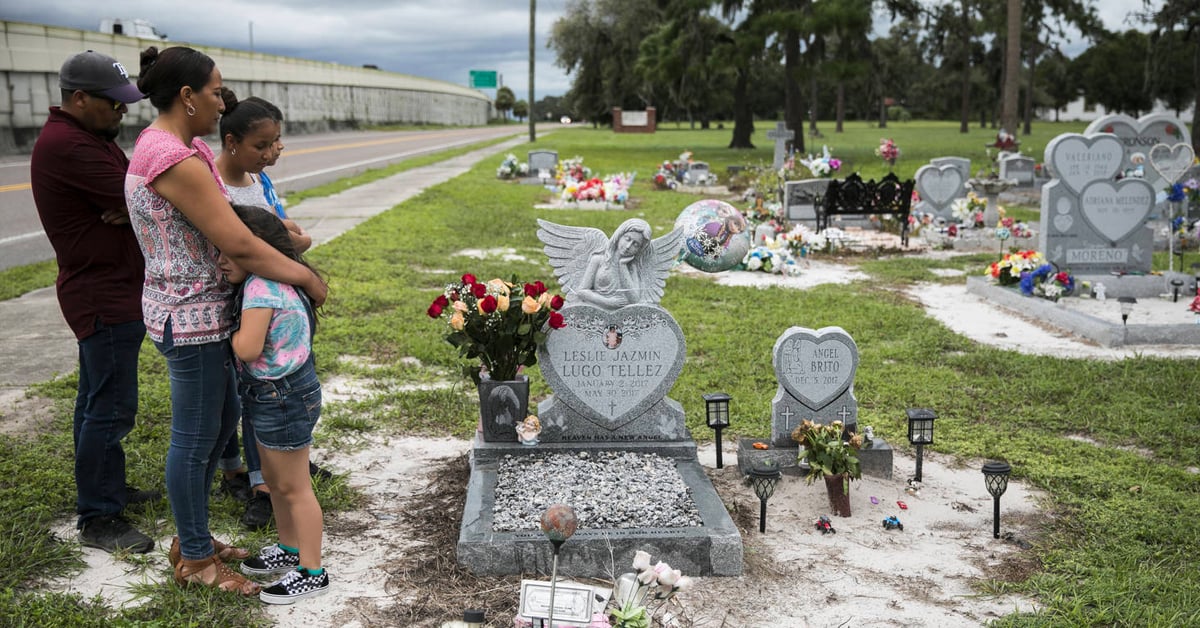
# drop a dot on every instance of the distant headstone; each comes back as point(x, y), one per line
point(961, 163)
point(1172, 161)
point(782, 135)
point(939, 186)
point(800, 199)
point(542, 164)
point(1091, 223)
point(698, 173)
point(1018, 167)
point(815, 370)
point(1138, 137)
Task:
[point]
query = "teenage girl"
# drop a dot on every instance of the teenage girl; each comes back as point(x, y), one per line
point(277, 381)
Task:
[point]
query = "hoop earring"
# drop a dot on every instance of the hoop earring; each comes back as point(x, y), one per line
point(191, 111)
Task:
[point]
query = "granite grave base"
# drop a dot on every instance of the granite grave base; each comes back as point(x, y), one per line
point(1104, 332)
point(712, 549)
point(876, 461)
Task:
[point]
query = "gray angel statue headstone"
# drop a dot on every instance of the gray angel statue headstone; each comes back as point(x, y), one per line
point(626, 269)
point(620, 352)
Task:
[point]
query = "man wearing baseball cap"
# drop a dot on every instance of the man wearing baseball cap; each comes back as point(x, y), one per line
point(78, 178)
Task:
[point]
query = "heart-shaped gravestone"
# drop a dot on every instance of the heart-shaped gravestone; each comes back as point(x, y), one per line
point(939, 185)
point(815, 367)
point(1077, 160)
point(1115, 209)
point(610, 366)
point(1172, 161)
point(1139, 136)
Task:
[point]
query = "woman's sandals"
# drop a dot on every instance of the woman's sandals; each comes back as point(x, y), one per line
point(220, 550)
point(192, 571)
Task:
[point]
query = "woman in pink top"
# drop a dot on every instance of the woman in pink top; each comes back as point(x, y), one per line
point(182, 218)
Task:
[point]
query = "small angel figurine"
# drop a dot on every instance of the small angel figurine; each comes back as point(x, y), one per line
point(528, 430)
point(610, 273)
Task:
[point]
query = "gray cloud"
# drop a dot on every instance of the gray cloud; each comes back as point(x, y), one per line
point(442, 40)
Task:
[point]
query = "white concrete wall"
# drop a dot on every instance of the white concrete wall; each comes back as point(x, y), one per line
point(1077, 111)
point(313, 95)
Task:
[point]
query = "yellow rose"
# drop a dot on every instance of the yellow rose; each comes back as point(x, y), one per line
point(502, 303)
point(460, 306)
point(544, 300)
point(498, 287)
point(529, 305)
point(457, 322)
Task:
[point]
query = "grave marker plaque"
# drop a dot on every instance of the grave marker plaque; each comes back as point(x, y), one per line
point(815, 371)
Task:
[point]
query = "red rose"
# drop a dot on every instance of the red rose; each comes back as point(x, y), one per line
point(478, 290)
point(532, 290)
point(454, 295)
point(541, 287)
point(434, 310)
point(556, 302)
point(488, 304)
point(468, 279)
point(556, 321)
point(441, 301)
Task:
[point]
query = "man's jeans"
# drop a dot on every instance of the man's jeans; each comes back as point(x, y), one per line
point(105, 408)
point(204, 413)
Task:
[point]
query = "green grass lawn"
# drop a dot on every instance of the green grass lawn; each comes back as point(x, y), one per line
point(1109, 555)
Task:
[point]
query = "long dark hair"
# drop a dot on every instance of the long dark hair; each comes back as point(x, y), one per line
point(264, 224)
point(164, 73)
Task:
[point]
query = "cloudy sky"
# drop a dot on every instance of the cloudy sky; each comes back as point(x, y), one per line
point(440, 39)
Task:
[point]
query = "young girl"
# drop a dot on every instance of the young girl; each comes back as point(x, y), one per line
point(282, 397)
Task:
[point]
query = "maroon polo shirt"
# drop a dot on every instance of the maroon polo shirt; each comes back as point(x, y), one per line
point(77, 176)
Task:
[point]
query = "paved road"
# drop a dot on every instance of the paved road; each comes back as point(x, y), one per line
point(36, 344)
point(308, 161)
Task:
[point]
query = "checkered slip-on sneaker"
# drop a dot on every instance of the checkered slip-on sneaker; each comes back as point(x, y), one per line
point(271, 560)
point(295, 585)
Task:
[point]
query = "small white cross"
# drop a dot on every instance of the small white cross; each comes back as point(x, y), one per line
point(843, 414)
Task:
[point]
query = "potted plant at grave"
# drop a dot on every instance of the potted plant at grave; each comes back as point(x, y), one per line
point(501, 324)
point(831, 456)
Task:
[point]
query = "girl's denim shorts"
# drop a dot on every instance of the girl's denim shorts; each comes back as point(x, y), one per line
point(284, 411)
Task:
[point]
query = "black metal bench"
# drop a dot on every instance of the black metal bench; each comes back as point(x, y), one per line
point(854, 197)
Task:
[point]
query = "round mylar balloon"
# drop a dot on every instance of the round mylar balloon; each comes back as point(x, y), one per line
point(714, 235)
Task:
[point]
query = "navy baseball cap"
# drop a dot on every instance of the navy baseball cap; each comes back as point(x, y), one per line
point(98, 73)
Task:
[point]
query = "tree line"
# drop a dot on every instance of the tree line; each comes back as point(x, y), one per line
point(978, 61)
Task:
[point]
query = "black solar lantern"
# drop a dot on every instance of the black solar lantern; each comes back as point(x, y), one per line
point(716, 414)
point(1127, 304)
point(995, 475)
point(764, 475)
point(920, 432)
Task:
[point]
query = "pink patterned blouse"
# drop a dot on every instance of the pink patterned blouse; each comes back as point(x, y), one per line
point(183, 283)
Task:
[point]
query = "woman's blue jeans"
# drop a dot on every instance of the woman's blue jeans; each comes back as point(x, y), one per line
point(204, 412)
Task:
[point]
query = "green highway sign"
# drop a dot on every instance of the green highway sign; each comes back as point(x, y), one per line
point(483, 78)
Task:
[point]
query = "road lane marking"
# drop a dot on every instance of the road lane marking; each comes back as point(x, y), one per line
point(23, 236)
point(15, 187)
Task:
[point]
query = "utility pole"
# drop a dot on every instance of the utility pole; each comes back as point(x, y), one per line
point(251, 36)
point(532, 39)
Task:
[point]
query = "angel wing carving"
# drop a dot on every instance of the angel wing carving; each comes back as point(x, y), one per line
point(625, 269)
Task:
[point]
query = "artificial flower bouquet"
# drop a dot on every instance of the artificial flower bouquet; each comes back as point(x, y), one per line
point(969, 209)
point(571, 170)
point(827, 451)
point(500, 323)
point(822, 166)
point(637, 598)
point(611, 189)
point(772, 256)
point(1048, 282)
point(512, 168)
point(887, 151)
point(1007, 271)
point(664, 178)
point(1005, 141)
